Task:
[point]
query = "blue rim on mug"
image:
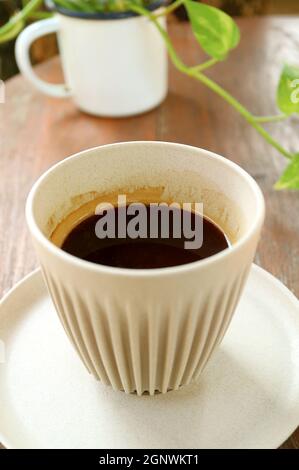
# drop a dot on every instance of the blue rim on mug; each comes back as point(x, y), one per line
point(113, 15)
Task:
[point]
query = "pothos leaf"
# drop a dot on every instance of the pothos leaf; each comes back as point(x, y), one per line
point(216, 32)
point(288, 90)
point(290, 177)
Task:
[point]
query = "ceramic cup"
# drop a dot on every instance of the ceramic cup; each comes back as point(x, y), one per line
point(147, 330)
point(115, 64)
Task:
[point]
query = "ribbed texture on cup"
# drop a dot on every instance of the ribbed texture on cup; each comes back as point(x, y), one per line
point(149, 350)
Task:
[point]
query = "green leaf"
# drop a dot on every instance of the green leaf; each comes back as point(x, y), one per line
point(216, 32)
point(288, 90)
point(290, 177)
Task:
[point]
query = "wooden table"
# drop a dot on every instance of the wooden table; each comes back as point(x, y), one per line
point(37, 131)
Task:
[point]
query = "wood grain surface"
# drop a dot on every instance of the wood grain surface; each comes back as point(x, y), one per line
point(37, 131)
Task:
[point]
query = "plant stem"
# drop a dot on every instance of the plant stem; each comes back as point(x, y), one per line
point(196, 73)
point(204, 65)
point(244, 112)
point(40, 15)
point(12, 33)
point(171, 50)
point(173, 6)
point(29, 8)
point(275, 118)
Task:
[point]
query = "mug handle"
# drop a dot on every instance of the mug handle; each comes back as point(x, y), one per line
point(23, 43)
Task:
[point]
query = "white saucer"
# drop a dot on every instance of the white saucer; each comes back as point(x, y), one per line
point(248, 396)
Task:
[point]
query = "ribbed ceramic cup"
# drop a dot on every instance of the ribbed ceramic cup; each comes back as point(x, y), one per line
point(147, 330)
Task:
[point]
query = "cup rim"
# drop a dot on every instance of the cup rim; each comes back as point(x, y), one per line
point(129, 272)
point(113, 15)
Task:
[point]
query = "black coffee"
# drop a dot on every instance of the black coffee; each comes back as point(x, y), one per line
point(146, 252)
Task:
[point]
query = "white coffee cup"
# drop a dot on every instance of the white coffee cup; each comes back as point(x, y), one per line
point(115, 64)
point(147, 330)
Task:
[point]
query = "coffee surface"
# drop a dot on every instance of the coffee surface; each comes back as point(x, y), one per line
point(146, 252)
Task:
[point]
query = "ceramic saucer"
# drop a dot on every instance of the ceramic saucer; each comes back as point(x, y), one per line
point(247, 397)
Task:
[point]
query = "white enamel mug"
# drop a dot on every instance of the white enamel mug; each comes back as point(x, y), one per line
point(114, 64)
point(147, 330)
